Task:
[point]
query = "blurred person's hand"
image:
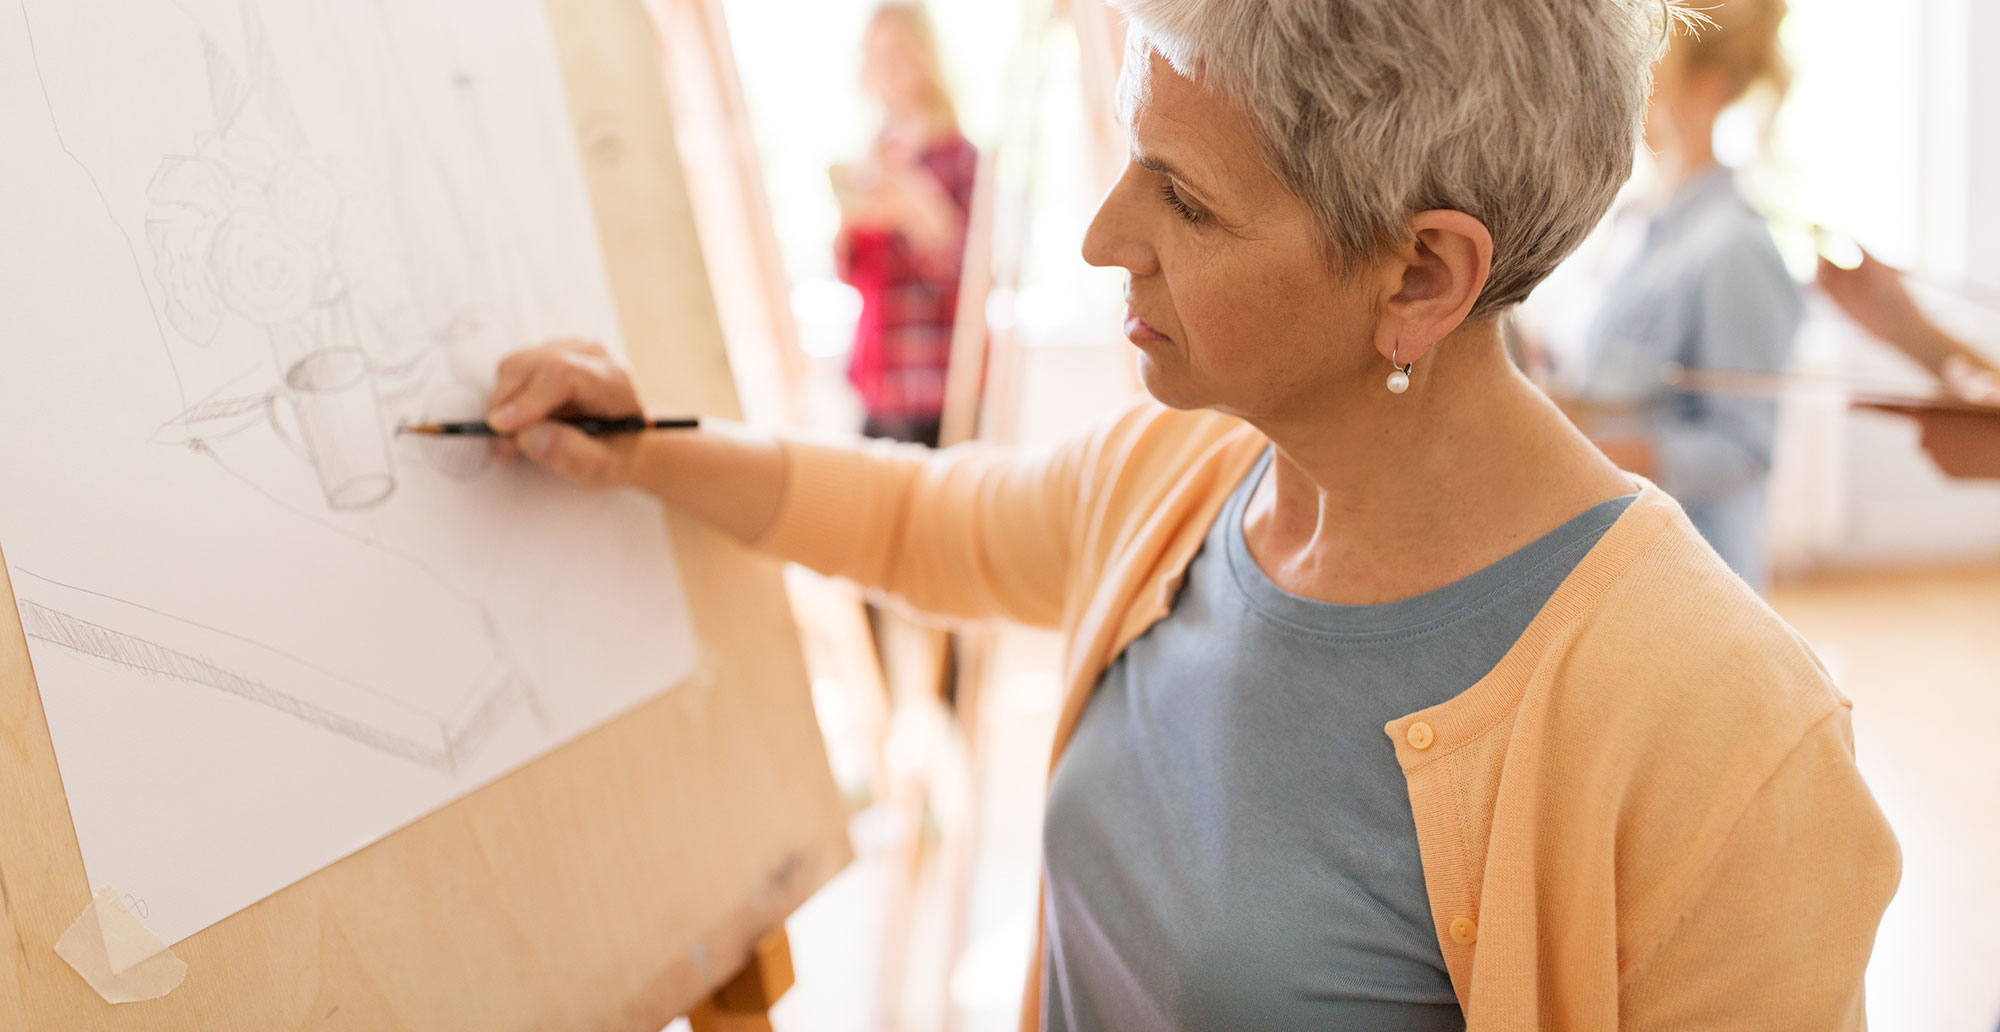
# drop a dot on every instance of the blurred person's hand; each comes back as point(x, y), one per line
point(865, 200)
point(919, 206)
point(1963, 444)
point(1971, 381)
point(1873, 295)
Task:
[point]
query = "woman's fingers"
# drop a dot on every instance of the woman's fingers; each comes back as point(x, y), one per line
point(1963, 444)
point(570, 377)
point(569, 453)
point(550, 386)
point(561, 378)
point(1970, 381)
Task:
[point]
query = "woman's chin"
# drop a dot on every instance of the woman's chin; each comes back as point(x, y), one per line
point(1167, 387)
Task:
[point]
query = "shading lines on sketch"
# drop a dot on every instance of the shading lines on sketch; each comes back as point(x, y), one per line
point(127, 635)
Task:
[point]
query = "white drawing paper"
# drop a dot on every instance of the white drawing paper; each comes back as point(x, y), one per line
point(243, 241)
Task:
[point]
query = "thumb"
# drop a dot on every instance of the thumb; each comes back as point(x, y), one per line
point(569, 453)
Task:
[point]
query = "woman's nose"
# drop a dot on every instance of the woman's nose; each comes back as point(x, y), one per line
point(1115, 236)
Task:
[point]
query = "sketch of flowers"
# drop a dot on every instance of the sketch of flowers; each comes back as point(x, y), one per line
point(260, 246)
point(245, 230)
point(258, 239)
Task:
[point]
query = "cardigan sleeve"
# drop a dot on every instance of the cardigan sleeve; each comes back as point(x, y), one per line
point(971, 532)
point(1777, 932)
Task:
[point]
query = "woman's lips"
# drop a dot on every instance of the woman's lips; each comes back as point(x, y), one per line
point(1139, 332)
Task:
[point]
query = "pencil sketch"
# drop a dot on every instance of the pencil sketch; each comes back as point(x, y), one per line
point(109, 629)
point(271, 231)
point(256, 247)
point(251, 236)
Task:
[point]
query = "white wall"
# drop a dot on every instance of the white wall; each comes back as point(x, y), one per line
point(1892, 135)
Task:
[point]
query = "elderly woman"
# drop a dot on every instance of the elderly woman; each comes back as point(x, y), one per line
point(1392, 703)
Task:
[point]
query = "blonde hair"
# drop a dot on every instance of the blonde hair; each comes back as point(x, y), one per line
point(1741, 41)
point(1523, 114)
point(913, 19)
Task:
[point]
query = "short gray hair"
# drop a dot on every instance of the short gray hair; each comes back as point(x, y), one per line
point(1523, 114)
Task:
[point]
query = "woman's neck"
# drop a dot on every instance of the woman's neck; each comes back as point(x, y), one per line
point(1379, 497)
point(1689, 156)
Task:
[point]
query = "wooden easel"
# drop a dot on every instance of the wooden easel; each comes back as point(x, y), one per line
point(610, 885)
point(743, 1004)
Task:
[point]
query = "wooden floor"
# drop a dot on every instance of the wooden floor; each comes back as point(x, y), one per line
point(1919, 653)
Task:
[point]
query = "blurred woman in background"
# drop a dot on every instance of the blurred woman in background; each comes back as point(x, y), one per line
point(903, 215)
point(1705, 290)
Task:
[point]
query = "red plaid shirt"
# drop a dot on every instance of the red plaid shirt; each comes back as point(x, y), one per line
point(909, 298)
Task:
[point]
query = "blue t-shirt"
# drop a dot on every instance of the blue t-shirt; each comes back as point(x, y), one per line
point(1228, 839)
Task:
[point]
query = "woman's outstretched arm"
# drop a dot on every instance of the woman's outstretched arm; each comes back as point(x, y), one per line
point(970, 533)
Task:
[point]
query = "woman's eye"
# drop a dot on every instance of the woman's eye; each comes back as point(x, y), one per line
point(1180, 207)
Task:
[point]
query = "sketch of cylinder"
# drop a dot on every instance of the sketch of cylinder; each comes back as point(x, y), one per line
point(340, 426)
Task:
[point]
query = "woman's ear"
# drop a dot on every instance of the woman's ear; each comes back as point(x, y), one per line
point(1443, 271)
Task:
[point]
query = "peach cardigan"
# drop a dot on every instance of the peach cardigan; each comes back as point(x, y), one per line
point(1647, 816)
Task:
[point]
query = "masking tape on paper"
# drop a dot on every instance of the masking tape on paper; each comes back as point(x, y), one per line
point(120, 959)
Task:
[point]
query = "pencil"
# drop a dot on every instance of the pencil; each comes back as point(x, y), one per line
point(593, 427)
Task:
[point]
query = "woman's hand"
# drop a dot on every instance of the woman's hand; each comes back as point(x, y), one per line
point(565, 379)
point(1874, 296)
point(919, 207)
point(1969, 380)
point(1963, 444)
point(731, 477)
point(855, 188)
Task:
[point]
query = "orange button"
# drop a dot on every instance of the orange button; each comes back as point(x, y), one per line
point(1464, 931)
point(1420, 735)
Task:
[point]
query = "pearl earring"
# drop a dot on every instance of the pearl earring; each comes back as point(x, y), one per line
point(1399, 380)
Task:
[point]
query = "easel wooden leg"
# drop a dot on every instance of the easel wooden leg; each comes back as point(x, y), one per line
point(743, 1004)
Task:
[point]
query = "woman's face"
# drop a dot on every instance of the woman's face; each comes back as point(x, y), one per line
point(1232, 303)
point(1665, 109)
point(1686, 102)
point(890, 70)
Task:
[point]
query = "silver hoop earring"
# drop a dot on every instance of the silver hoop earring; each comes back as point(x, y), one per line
point(1399, 380)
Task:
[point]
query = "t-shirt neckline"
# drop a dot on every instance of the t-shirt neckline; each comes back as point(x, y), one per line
point(1419, 614)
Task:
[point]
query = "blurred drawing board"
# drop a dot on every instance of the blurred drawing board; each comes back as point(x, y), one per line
point(1856, 393)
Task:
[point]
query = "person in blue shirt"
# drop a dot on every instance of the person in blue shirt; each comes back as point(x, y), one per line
point(1705, 290)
